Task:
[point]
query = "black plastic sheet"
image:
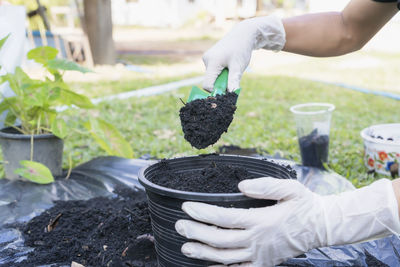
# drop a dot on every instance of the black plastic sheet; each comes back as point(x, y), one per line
point(21, 201)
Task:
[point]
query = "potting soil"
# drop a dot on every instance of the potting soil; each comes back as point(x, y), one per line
point(97, 232)
point(314, 149)
point(205, 120)
point(21, 201)
point(215, 178)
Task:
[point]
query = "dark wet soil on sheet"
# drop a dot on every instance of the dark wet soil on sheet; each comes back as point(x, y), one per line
point(96, 232)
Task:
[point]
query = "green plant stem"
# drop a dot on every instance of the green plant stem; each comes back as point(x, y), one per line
point(18, 129)
point(46, 129)
point(70, 166)
point(32, 146)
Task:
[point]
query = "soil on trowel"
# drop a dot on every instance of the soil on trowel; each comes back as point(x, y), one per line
point(215, 178)
point(205, 120)
point(96, 232)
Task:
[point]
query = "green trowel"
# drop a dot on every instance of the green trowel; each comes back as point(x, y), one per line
point(220, 85)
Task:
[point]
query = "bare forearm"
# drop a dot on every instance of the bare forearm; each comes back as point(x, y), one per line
point(318, 35)
point(336, 33)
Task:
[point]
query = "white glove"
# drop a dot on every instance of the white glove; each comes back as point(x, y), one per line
point(302, 220)
point(234, 50)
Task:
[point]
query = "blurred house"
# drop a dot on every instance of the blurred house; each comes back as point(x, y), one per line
point(175, 13)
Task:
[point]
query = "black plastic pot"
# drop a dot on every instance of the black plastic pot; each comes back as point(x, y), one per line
point(48, 150)
point(165, 203)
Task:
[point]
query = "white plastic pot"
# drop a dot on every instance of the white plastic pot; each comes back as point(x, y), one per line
point(382, 148)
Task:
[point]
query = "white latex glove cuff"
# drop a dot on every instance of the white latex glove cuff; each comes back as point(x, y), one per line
point(367, 213)
point(269, 32)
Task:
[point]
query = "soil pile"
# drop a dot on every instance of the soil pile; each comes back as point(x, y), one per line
point(96, 232)
point(215, 178)
point(205, 120)
point(314, 149)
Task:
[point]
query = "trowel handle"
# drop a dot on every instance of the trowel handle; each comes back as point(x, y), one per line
point(221, 83)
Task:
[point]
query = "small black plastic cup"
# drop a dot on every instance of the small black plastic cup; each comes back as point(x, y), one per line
point(165, 203)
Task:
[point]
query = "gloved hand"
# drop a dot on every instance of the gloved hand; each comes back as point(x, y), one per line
point(234, 50)
point(302, 220)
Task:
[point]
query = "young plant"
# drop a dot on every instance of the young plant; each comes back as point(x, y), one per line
point(35, 103)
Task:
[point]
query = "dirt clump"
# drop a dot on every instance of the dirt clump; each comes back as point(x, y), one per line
point(205, 120)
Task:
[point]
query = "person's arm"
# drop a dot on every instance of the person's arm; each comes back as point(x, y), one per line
point(337, 33)
point(322, 35)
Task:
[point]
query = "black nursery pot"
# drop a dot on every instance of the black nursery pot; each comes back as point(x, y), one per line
point(165, 203)
point(48, 150)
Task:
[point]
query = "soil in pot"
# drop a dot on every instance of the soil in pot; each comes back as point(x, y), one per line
point(215, 178)
point(314, 149)
point(96, 232)
point(205, 120)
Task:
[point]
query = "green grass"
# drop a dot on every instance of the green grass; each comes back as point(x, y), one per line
point(103, 88)
point(151, 60)
point(262, 120)
point(371, 70)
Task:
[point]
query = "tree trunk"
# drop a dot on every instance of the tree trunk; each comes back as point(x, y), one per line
point(98, 27)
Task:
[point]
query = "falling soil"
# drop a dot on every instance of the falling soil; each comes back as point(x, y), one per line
point(314, 149)
point(215, 178)
point(96, 232)
point(205, 120)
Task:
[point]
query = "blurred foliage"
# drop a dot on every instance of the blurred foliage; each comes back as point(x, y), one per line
point(36, 23)
point(32, 4)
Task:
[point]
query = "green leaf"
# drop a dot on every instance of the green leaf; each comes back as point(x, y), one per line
point(10, 119)
point(19, 81)
point(9, 104)
point(3, 40)
point(42, 54)
point(63, 64)
point(5, 104)
point(54, 94)
point(12, 82)
point(109, 138)
point(34, 99)
point(59, 128)
point(35, 172)
point(71, 98)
